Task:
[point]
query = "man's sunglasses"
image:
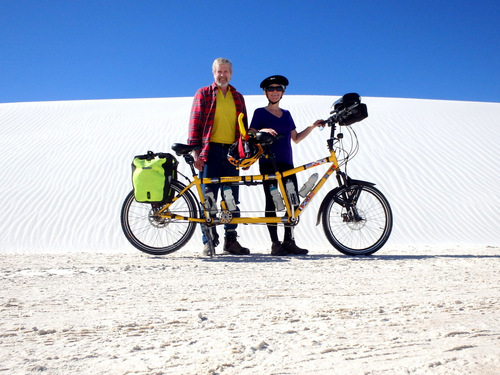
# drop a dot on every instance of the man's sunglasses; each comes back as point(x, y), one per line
point(274, 88)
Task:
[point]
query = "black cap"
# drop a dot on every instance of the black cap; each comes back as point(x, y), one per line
point(278, 80)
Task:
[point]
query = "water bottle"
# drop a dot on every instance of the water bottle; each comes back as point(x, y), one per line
point(229, 198)
point(292, 194)
point(278, 201)
point(210, 201)
point(304, 190)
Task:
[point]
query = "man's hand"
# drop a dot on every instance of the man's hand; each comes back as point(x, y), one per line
point(198, 163)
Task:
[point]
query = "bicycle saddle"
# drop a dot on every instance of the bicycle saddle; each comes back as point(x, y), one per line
point(182, 149)
point(265, 139)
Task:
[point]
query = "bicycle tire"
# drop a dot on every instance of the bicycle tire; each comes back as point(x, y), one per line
point(361, 235)
point(155, 235)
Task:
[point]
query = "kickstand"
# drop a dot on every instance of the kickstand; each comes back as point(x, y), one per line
point(210, 236)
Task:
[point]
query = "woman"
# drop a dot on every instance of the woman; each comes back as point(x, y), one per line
point(274, 120)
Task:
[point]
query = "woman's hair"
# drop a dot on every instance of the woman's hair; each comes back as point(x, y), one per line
point(219, 61)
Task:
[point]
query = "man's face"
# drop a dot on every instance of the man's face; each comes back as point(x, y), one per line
point(222, 75)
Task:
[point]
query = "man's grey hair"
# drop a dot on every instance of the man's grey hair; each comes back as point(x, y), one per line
point(219, 61)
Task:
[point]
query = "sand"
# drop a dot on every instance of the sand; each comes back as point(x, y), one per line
point(413, 310)
point(77, 298)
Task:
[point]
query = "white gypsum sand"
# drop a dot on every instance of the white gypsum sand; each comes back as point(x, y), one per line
point(416, 310)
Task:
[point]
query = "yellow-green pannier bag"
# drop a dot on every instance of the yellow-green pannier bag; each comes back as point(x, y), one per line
point(152, 175)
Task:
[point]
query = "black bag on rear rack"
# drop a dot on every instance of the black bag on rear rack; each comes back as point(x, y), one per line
point(349, 109)
point(152, 175)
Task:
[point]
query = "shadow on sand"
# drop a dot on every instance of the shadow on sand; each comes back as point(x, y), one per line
point(267, 258)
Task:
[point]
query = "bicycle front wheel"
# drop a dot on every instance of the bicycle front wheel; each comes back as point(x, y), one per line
point(154, 234)
point(357, 220)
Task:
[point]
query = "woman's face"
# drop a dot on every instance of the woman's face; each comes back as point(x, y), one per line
point(274, 93)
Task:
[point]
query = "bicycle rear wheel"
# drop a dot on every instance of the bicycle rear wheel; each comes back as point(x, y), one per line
point(357, 220)
point(154, 234)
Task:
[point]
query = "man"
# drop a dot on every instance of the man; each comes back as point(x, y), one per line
point(213, 126)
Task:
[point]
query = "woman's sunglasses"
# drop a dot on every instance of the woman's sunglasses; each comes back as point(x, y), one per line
point(274, 88)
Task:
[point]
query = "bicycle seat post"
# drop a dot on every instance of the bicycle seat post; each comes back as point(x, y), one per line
point(190, 161)
point(270, 155)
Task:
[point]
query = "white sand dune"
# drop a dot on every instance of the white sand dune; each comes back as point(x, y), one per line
point(77, 298)
point(67, 169)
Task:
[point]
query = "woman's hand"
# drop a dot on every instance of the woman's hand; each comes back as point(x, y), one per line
point(273, 132)
point(319, 123)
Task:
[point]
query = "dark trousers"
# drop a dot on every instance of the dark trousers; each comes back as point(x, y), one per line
point(267, 168)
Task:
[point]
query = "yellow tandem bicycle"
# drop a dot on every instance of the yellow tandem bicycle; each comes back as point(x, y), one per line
point(356, 217)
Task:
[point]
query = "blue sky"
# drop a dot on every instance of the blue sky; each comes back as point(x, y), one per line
point(97, 49)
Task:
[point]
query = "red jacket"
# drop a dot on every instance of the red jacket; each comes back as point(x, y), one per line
point(202, 116)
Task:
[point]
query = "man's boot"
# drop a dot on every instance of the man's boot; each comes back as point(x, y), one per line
point(232, 246)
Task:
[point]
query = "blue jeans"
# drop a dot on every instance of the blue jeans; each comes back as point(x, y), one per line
point(217, 165)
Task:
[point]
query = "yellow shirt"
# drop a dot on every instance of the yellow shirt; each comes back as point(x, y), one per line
point(224, 129)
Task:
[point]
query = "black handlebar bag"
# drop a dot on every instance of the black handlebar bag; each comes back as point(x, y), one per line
point(349, 109)
point(152, 175)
